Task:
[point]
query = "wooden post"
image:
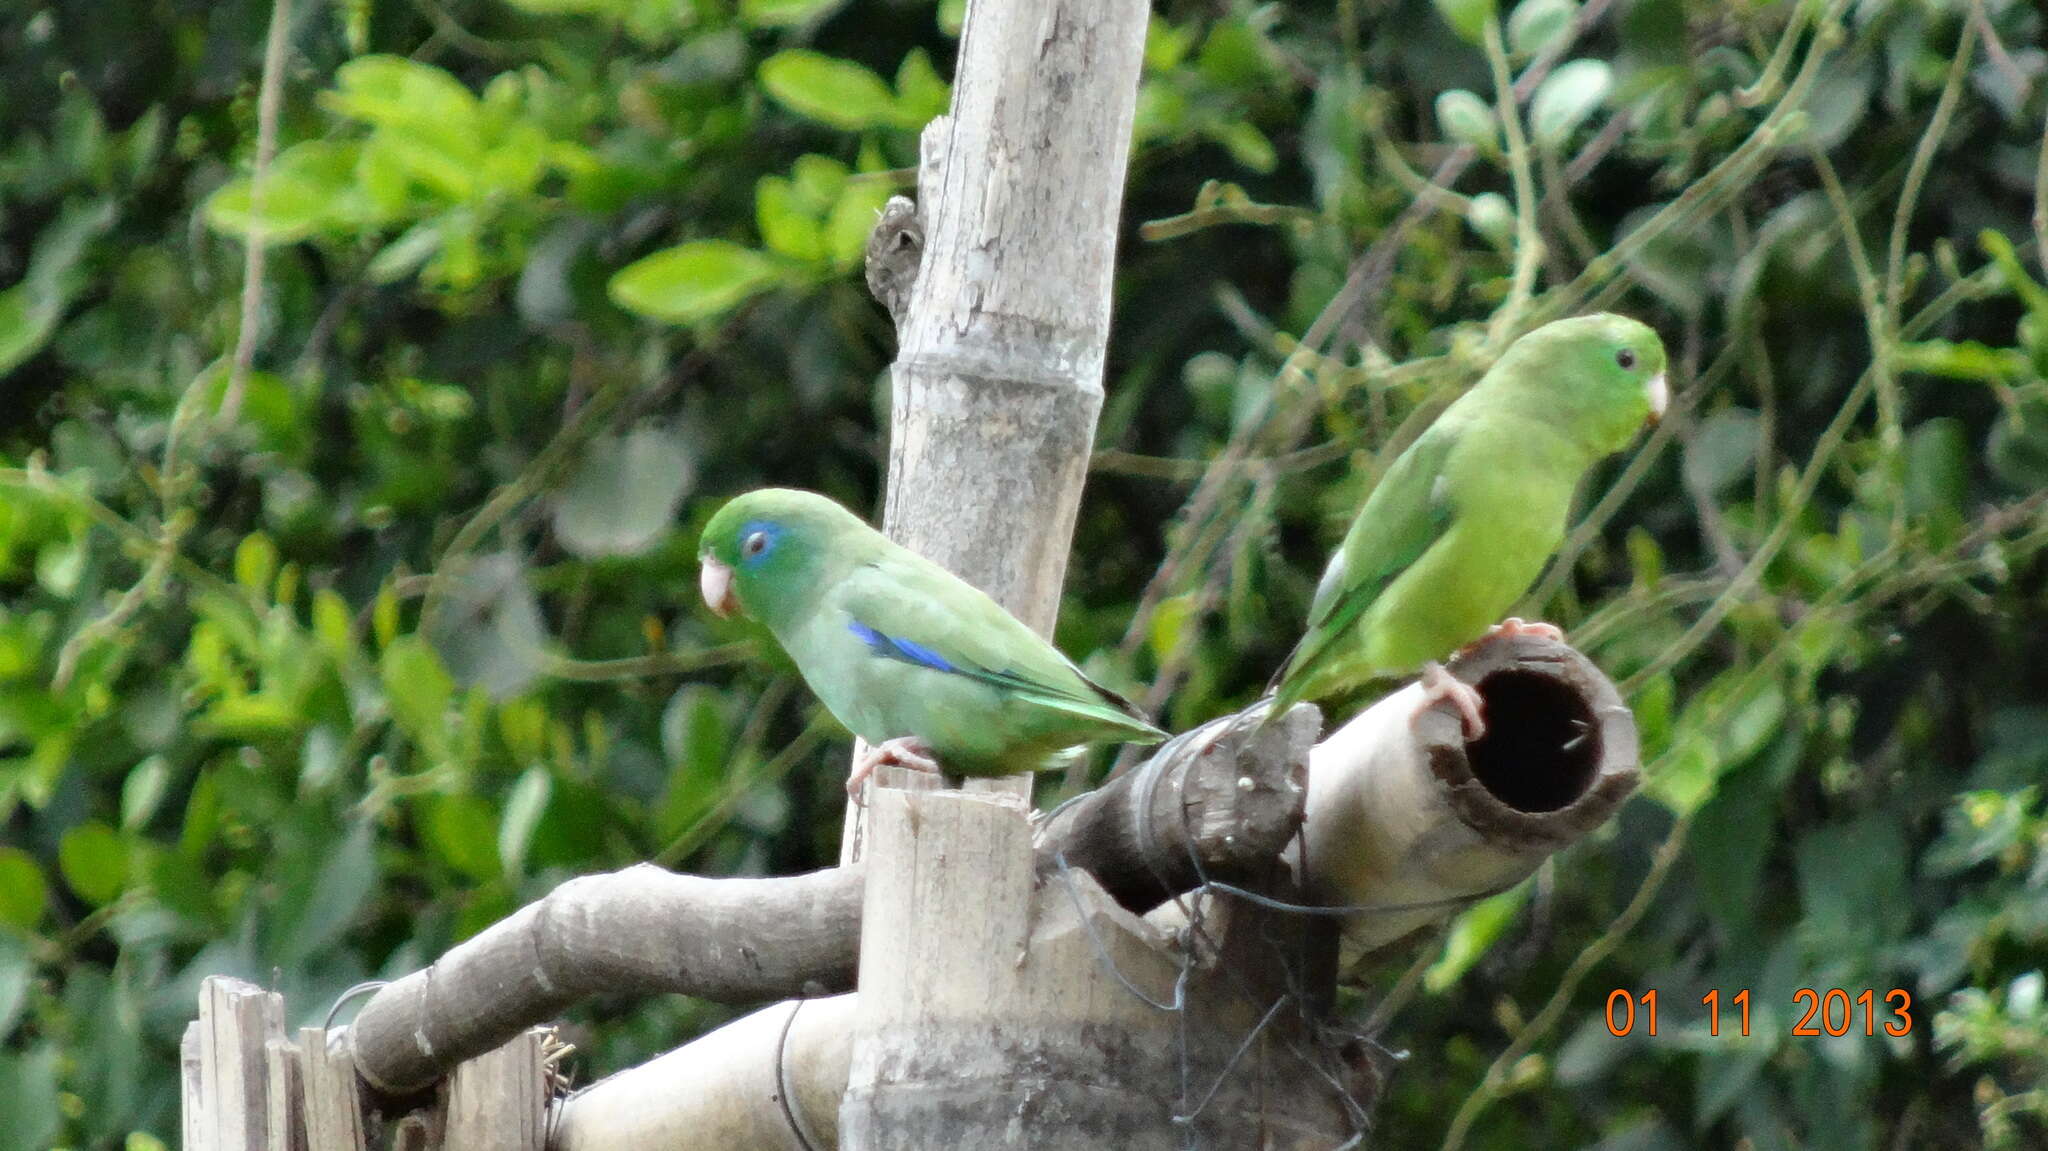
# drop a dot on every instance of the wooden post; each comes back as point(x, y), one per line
point(287, 1105)
point(498, 1101)
point(192, 1089)
point(332, 1102)
point(237, 1020)
point(972, 1031)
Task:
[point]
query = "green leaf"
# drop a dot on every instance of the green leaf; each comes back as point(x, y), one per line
point(694, 281)
point(831, 91)
point(314, 920)
point(332, 624)
point(785, 13)
point(1169, 625)
point(1730, 844)
point(29, 1083)
point(1245, 143)
point(311, 189)
point(785, 226)
point(256, 563)
point(852, 219)
point(29, 310)
point(1961, 360)
point(818, 181)
point(94, 860)
point(25, 326)
point(461, 830)
point(698, 744)
point(1937, 470)
point(921, 93)
point(1472, 934)
point(396, 93)
point(2018, 448)
point(143, 791)
point(22, 890)
point(16, 970)
point(1572, 92)
point(623, 499)
point(523, 809)
point(1852, 883)
point(490, 632)
point(384, 615)
point(1723, 450)
point(1492, 217)
point(417, 689)
point(1536, 24)
point(1466, 118)
point(404, 256)
point(1467, 17)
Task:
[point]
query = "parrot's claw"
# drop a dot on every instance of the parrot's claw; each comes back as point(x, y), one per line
point(1515, 625)
point(904, 751)
point(1438, 684)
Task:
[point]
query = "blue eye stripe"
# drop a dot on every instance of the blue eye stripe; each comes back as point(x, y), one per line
point(890, 647)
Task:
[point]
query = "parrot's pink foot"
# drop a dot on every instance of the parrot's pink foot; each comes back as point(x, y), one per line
point(1438, 684)
point(904, 751)
point(1514, 625)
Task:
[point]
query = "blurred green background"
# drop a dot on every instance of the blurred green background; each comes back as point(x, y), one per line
point(311, 669)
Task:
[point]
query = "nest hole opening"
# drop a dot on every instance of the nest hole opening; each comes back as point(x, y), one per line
point(1542, 747)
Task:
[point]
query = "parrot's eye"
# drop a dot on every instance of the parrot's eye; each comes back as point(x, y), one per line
point(1626, 358)
point(754, 544)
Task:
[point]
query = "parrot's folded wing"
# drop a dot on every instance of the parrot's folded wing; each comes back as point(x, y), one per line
point(911, 610)
point(1406, 515)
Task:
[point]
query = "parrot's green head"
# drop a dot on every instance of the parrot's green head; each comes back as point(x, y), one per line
point(1597, 378)
point(767, 554)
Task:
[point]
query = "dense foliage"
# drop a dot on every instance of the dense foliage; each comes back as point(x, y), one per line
point(317, 658)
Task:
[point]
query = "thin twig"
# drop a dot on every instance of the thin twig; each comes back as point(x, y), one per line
point(268, 99)
point(2041, 202)
point(1528, 239)
point(642, 666)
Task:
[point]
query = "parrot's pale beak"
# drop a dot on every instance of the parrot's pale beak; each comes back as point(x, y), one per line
point(714, 579)
point(1660, 397)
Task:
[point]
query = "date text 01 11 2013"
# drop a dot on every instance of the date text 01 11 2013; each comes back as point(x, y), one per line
point(1832, 1012)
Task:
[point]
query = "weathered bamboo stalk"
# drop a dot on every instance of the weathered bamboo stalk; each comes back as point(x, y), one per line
point(639, 930)
point(1409, 820)
point(650, 931)
point(727, 1088)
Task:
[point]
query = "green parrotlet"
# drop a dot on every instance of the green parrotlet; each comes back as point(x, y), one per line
point(926, 668)
point(1466, 517)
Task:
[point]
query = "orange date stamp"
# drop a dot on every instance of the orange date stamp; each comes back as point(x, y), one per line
point(1833, 1012)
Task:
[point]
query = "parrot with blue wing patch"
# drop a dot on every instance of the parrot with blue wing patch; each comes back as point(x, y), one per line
point(1466, 517)
point(924, 667)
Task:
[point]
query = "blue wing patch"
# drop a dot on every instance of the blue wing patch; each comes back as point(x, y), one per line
point(890, 647)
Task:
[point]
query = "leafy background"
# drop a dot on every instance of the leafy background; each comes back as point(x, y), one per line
point(344, 615)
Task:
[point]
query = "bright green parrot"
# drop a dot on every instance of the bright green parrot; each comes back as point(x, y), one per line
point(912, 659)
point(1465, 519)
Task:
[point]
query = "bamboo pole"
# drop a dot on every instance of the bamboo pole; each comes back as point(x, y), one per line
point(1410, 823)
